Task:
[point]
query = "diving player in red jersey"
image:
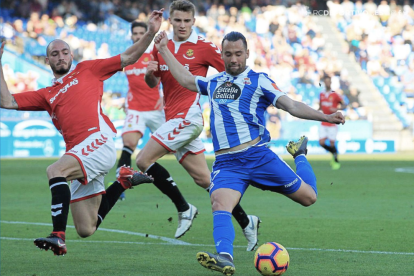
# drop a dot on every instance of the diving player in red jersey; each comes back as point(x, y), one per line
point(143, 104)
point(73, 102)
point(329, 103)
point(179, 134)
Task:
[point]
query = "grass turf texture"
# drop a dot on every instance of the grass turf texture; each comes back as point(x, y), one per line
point(362, 224)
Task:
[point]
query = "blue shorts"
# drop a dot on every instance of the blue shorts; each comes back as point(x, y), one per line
point(257, 166)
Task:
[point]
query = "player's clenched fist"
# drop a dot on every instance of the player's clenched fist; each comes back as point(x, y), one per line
point(161, 40)
point(152, 66)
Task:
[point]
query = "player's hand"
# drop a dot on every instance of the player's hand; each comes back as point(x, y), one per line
point(2, 48)
point(155, 20)
point(152, 66)
point(336, 118)
point(161, 40)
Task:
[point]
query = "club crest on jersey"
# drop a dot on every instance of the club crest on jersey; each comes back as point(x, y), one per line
point(145, 61)
point(226, 93)
point(247, 81)
point(189, 54)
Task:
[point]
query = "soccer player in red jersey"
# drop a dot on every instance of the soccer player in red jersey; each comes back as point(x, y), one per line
point(179, 134)
point(330, 102)
point(73, 102)
point(143, 104)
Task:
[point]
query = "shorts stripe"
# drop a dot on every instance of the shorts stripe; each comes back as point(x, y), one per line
point(132, 131)
point(161, 143)
point(87, 197)
point(85, 178)
point(188, 152)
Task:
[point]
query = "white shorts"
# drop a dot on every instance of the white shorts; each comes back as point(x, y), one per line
point(329, 132)
point(138, 121)
point(180, 136)
point(96, 155)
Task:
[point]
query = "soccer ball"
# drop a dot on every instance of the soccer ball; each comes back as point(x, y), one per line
point(271, 259)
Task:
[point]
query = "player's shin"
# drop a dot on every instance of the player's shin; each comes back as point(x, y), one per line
point(305, 171)
point(125, 158)
point(165, 183)
point(108, 200)
point(60, 204)
point(240, 215)
point(223, 232)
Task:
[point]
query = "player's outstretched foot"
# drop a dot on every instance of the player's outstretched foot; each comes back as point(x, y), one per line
point(54, 242)
point(299, 147)
point(185, 220)
point(220, 262)
point(129, 178)
point(335, 165)
point(251, 231)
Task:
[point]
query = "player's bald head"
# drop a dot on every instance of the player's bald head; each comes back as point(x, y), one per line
point(57, 44)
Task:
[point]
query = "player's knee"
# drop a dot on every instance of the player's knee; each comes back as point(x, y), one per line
point(53, 171)
point(85, 231)
point(130, 144)
point(203, 182)
point(142, 163)
point(309, 200)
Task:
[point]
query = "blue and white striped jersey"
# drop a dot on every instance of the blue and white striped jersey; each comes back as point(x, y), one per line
point(238, 104)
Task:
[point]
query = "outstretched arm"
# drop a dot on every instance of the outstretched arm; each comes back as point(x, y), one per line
point(182, 75)
point(303, 111)
point(134, 52)
point(6, 98)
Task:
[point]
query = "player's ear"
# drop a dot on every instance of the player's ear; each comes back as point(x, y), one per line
point(47, 60)
point(247, 53)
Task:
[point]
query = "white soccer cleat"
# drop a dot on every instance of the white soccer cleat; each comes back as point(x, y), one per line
point(251, 231)
point(185, 220)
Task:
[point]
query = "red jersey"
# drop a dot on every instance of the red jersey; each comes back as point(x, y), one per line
point(140, 96)
point(196, 54)
point(328, 100)
point(74, 103)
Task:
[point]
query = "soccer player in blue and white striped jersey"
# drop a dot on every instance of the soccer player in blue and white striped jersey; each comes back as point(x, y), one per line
point(238, 98)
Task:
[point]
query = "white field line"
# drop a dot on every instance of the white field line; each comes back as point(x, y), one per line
point(405, 170)
point(177, 242)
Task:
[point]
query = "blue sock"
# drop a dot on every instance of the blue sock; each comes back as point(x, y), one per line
point(223, 232)
point(304, 170)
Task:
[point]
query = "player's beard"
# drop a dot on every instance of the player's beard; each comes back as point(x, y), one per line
point(62, 70)
point(234, 71)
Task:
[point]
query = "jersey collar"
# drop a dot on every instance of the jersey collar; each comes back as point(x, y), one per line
point(193, 38)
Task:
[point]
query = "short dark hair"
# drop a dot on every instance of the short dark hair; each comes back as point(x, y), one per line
point(182, 5)
point(138, 24)
point(234, 36)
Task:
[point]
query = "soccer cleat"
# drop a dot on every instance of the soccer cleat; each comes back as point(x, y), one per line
point(185, 220)
point(220, 262)
point(299, 147)
point(251, 231)
point(52, 242)
point(129, 178)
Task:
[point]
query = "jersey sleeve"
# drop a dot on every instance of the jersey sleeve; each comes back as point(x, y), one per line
point(270, 90)
point(31, 101)
point(214, 57)
point(105, 68)
point(202, 85)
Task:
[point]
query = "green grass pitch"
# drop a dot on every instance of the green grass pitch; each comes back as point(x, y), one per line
point(362, 224)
